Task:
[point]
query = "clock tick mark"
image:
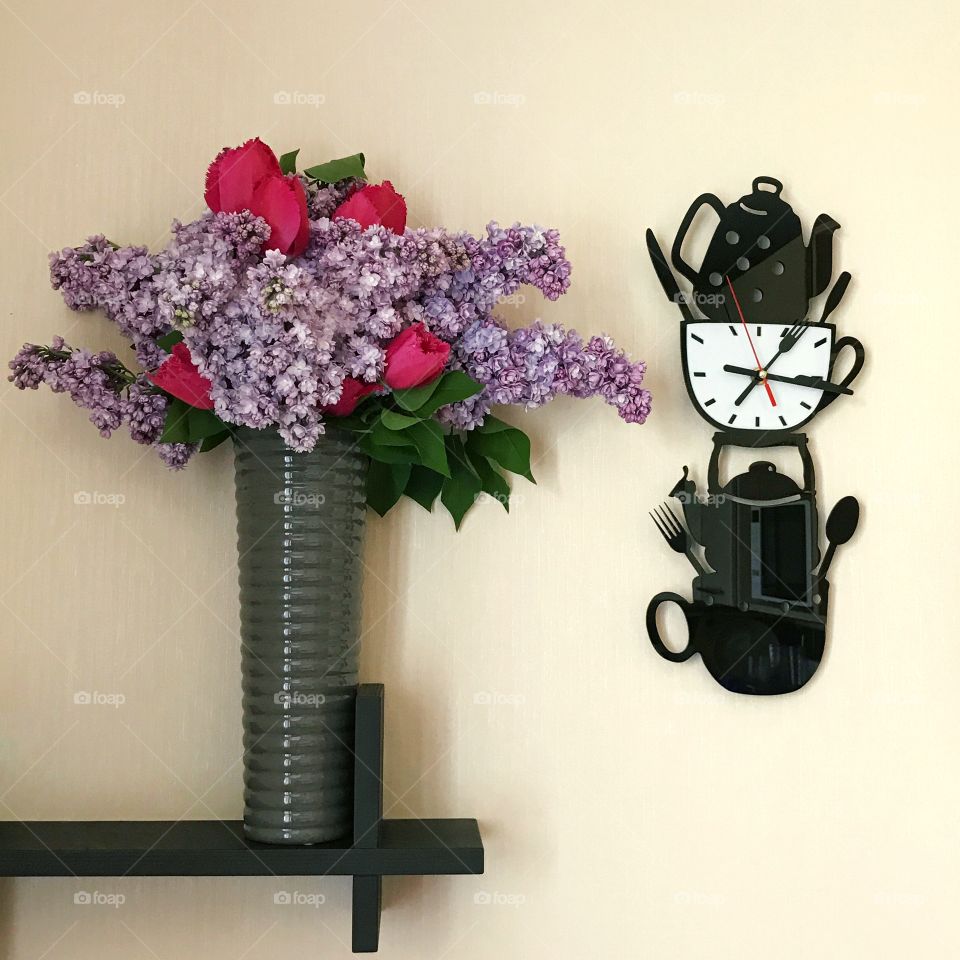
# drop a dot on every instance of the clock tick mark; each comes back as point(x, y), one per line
point(757, 421)
point(805, 405)
point(734, 417)
point(733, 330)
point(759, 331)
point(695, 337)
point(710, 401)
point(784, 422)
point(820, 343)
point(700, 374)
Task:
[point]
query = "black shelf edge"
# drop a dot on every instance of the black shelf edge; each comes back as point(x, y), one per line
point(213, 848)
point(218, 848)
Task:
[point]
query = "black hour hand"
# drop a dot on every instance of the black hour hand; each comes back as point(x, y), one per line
point(803, 380)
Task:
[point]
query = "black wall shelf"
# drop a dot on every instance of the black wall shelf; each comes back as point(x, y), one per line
point(210, 848)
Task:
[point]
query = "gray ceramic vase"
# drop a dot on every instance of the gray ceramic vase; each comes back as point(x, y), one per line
point(300, 520)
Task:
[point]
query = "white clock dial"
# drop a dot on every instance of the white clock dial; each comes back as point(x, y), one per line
point(709, 346)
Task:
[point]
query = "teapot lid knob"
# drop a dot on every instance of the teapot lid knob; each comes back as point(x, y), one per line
point(776, 184)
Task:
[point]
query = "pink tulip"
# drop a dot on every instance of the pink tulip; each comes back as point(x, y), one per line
point(353, 392)
point(179, 376)
point(249, 178)
point(415, 357)
point(375, 204)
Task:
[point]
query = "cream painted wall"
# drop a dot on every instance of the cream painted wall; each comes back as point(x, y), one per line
point(629, 806)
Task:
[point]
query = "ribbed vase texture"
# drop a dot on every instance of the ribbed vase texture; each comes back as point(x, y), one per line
point(300, 519)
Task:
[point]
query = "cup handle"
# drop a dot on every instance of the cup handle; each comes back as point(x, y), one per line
point(858, 358)
point(675, 657)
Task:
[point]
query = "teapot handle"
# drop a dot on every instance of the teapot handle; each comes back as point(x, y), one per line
point(682, 266)
point(858, 358)
point(776, 184)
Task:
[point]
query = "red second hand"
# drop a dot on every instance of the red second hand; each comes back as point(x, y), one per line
point(733, 293)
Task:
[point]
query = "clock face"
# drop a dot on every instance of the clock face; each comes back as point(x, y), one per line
point(718, 394)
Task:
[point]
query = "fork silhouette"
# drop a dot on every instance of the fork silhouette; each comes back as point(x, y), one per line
point(787, 342)
point(668, 523)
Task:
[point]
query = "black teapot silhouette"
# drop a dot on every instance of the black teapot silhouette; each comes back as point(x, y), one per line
point(758, 370)
point(757, 249)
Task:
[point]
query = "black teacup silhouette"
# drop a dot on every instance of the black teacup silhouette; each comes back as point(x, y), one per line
point(746, 651)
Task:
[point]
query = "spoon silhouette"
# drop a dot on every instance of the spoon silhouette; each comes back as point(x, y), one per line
point(841, 526)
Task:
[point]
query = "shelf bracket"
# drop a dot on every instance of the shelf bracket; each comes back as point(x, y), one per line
point(368, 813)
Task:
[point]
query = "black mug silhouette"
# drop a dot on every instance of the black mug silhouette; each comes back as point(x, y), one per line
point(753, 651)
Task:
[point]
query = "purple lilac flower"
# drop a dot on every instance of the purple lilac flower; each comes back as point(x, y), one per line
point(101, 384)
point(278, 337)
point(533, 364)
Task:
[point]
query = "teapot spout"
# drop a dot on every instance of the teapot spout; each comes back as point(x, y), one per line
point(820, 254)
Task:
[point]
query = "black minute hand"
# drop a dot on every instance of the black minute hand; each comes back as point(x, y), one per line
point(803, 380)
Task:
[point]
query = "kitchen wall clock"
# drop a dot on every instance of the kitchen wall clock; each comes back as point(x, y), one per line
point(758, 368)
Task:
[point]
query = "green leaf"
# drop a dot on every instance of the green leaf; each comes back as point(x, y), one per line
point(413, 398)
point(453, 386)
point(509, 447)
point(407, 453)
point(383, 436)
point(175, 427)
point(169, 340)
point(493, 483)
point(211, 443)
point(288, 162)
point(336, 170)
point(423, 486)
point(202, 424)
point(492, 425)
point(396, 421)
point(460, 490)
point(428, 438)
point(352, 422)
point(385, 484)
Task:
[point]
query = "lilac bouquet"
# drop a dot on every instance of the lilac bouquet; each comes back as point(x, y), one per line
point(301, 302)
